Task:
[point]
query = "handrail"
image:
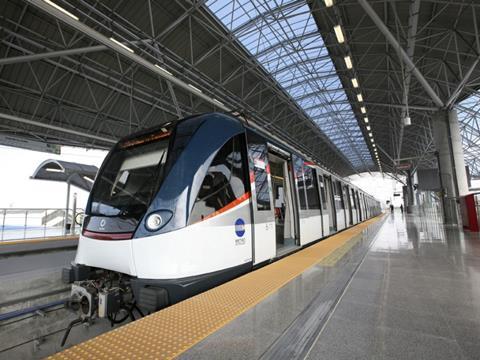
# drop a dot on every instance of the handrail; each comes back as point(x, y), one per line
point(23, 223)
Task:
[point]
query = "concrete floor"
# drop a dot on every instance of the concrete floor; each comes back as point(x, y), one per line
point(410, 291)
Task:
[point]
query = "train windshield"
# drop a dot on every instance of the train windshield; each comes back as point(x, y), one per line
point(130, 178)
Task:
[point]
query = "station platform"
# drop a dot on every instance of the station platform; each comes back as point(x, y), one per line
point(10, 247)
point(397, 286)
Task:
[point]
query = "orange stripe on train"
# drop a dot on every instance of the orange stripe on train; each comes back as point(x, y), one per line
point(229, 206)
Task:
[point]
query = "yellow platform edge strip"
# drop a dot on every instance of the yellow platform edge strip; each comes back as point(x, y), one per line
point(39, 240)
point(169, 332)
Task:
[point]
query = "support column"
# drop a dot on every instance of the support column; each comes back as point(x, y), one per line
point(451, 163)
point(67, 206)
point(409, 201)
point(457, 149)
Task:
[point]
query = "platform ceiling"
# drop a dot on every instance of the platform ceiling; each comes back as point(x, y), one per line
point(63, 80)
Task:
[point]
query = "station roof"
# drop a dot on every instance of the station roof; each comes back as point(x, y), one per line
point(410, 58)
point(80, 175)
point(85, 73)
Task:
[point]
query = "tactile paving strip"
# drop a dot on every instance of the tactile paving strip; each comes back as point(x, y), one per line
point(169, 332)
point(340, 252)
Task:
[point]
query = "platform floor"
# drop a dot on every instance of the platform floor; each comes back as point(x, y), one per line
point(410, 292)
point(395, 287)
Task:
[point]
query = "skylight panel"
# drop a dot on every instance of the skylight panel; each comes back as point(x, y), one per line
point(285, 40)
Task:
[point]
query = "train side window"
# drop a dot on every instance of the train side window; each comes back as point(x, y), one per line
point(298, 168)
point(352, 199)
point(313, 200)
point(224, 181)
point(258, 159)
point(339, 204)
point(323, 192)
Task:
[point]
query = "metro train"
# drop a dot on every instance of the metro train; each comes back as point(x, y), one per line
point(180, 208)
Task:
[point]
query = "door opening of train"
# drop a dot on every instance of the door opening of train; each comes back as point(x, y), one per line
point(282, 186)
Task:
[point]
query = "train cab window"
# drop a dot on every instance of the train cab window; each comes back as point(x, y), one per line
point(313, 201)
point(300, 180)
point(130, 178)
point(224, 181)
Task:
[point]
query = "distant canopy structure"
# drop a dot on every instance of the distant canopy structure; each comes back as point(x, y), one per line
point(79, 175)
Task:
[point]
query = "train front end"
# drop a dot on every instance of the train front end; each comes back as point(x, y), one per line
point(147, 239)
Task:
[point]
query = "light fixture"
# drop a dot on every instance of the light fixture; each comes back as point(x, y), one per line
point(365, 119)
point(359, 97)
point(355, 82)
point(195, 88)
point(328, 3)
point(54, 170)
point(363, 110)
point(368, 127)
point(375, 146)
point(154, 222)
point(348, 62)
point(339, 34)
point(157, 220)
point(407, 121)
point(164, 70)
point(372, 140)
point(370, 134)
point(122, 45)
point(51, 3)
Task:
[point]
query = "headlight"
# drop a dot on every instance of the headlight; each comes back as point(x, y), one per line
point(155, 221)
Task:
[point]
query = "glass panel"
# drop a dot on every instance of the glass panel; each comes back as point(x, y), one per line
point(313, 202)
point(284, 38)
point(257, 154)
point(223, 183)
point(300, 181)
point(339, 205)
point(323, 192)
point(130, 178)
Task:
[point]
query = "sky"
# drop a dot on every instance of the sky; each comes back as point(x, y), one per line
point(17, 190)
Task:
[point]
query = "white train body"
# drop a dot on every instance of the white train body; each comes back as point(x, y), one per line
point(185, 207)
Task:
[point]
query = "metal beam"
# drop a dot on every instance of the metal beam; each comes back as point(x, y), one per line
point(402, 106)
point(412, 33)
point(406, 59)
point(462, 84)
point(121, 49)
point(54, 127)
point(59, 53)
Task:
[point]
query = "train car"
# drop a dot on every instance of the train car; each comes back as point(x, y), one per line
point(183, 207)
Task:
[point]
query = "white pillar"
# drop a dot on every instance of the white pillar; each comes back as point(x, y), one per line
point(457, 152)
point(451, 163)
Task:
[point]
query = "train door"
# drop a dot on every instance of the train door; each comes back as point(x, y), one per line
point(283, 204)
point(339, 205)
point(353, 201)
point(325, 203)
point(359, 208)
point(332, 212)
point(263, 217)
point(367, 213)
point(308, 201)
point(348, 208)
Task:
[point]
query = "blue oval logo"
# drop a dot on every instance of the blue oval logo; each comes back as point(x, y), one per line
point(240, 227)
